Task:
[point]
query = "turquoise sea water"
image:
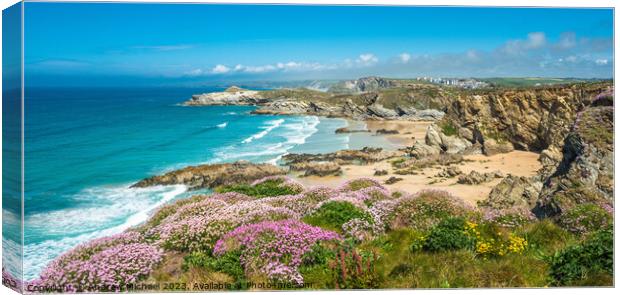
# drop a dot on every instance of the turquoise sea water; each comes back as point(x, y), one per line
point(85, 147)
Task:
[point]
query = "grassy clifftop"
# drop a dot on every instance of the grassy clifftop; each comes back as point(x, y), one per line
point(276, 234)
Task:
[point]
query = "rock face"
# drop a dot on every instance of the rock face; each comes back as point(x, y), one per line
point(437, 140)
point(366, 84)
point(492, 147)
point(586, 171)
point(531, 119)
point(414, 114)
point(577, 171)
point(513, 191)
point(379, 111)
point(210, 176)
point(231, 96)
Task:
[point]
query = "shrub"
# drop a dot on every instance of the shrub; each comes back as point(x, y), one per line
point(360, 183)
point(425, 210)
point(268, 187)
point(448, 129)
point(197, 226)
point(228, 263)
point(585, 218)
point(546, 236)
point(333, 214)
point(576, 264)
point(450, 234)
point(273, 248)
point(511, 217)
point(355, 271)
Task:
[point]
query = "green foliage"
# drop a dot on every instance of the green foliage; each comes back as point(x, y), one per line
point(448, 128)
point(579, 264)
point(228, 263)
point(449, 234)
point(585, 218)
point(545, 236)
point(267, 188)
point(353, 270)
point(332, 215)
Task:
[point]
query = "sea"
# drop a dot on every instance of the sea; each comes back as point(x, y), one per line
point(84, 147)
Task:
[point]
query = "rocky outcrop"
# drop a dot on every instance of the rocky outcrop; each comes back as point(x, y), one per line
point(449, 172)
point(347, 130)
point(393, 180)
point(231, 96)
point(436, 142)
point(387, 131)
point(317, 168)
point(213, 175)
point(475, 177)
point(413, 114)
point(586, 172)
point(377, 110)
point(530, 119)
point(513, 191)
point(344, 157)
point(366, 84)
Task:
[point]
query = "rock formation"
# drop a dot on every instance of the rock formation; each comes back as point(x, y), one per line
point(213, 175)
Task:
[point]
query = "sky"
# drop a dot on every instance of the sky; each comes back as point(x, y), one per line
point(168, 44)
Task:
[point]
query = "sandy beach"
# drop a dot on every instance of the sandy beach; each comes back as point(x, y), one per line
point(519, 163)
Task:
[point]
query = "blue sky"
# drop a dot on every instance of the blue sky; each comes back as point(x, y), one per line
point(180, 43)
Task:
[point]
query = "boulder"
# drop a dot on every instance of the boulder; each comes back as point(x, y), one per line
point(347, 130)
point(492, 147)
point(380, 172)
point(513, 191)
point(386, 131)
point(317, 168)
point(379, 111)
point(393, 180)
point(475, 177)
point(449, 172)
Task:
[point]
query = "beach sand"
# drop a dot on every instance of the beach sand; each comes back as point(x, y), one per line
point(519, 163)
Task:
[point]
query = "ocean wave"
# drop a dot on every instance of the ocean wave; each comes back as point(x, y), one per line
point(114, 210)
point(270, 126)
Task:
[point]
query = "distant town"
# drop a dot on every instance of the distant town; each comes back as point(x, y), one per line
point(456, 82)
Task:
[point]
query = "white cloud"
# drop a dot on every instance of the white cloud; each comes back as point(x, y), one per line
point(195, 72)
point(601, 61)
point(536, 40)
point(220, 69)
point(567, 40)
point(367, 59)
point(404, 57)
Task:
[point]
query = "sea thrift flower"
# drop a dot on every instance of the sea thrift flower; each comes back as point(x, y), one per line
point(274, 248)
point(107, 264)
point(511, 217)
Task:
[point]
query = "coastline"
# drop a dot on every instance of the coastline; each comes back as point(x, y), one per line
point(517, 163)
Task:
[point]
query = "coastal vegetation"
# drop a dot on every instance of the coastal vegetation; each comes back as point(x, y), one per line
point(359, 235)
point(261, 228)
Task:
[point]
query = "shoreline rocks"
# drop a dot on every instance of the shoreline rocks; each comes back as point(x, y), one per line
point(213, 175)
